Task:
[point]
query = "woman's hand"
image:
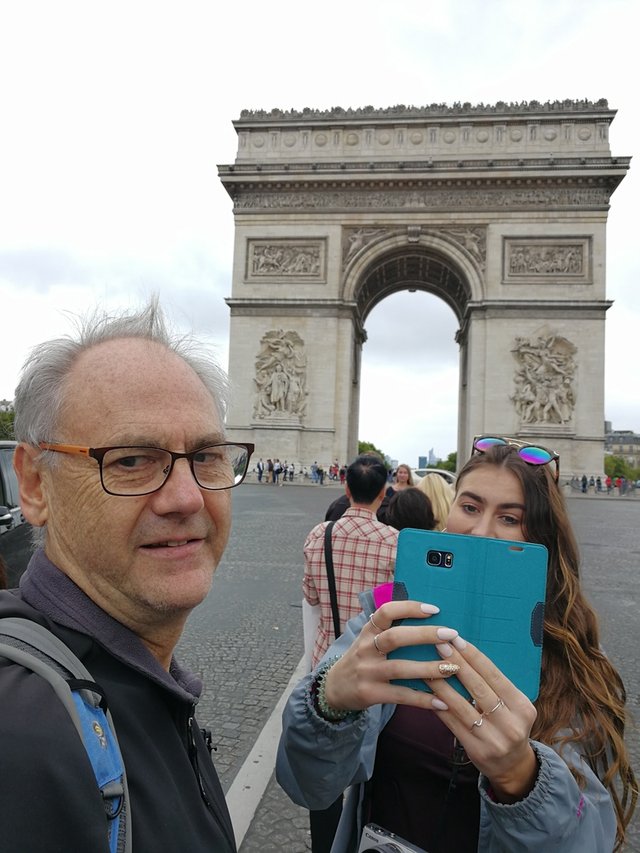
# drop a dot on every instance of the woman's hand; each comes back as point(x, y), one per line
point(494, 731)
point(362, 677)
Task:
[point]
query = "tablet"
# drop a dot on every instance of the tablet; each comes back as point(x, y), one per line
point(491, 591)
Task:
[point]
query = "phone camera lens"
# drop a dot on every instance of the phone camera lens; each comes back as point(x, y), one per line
point(434, 558)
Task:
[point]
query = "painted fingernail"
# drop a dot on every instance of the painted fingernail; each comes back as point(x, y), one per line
point(459, 643)
point(444, 649)
point(446, 633)
point(438, 704)
point(431, 609)
point(448, 668)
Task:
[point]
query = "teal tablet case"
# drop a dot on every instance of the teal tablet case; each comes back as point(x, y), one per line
point(491, 591)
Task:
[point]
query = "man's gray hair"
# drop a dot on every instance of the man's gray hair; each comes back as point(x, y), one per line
point(40, 395)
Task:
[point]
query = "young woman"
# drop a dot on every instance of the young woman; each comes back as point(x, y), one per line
point(499, 774)
point(441, 495)
point(403, 478)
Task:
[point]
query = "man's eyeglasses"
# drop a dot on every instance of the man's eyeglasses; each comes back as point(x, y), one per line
point(135, 471)
point(533, 454)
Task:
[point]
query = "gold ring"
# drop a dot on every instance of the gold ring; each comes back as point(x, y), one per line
point(477, 722)
point(375, 643)
point(377, 627)
point(499, 704)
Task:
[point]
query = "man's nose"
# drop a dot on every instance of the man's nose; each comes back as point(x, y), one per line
point(180, 491)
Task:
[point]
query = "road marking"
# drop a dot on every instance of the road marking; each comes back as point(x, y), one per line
point(247, 789)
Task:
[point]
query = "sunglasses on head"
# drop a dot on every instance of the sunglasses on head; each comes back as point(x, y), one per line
point(532, 454)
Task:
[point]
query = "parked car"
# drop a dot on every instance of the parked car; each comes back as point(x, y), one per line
point(419, 473)
point(15, 533)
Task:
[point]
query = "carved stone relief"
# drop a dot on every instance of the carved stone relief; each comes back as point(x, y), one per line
point(281, 377)
point(472, 239)
point(544, 380)
point(458, 198)
point(355, 239)
point(269, 259)
point(557, 259)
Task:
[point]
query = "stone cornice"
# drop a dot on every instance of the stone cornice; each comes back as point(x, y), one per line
point(420, 194)
point(384, 168)
point(540, 308)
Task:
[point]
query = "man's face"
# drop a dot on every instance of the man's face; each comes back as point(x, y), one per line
point(145, 560)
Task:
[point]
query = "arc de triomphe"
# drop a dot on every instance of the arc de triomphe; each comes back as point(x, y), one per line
point(498, 210)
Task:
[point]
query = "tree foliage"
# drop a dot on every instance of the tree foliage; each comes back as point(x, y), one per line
point(616, 466)
point(449, 464)
point(6, 424)
point(368, 447)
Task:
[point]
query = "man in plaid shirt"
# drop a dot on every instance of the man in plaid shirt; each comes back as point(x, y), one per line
point(364, 550)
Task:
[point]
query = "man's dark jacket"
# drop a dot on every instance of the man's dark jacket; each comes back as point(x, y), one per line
point(49, 800)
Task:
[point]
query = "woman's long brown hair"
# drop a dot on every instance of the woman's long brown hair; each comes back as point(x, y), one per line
point(582, 697)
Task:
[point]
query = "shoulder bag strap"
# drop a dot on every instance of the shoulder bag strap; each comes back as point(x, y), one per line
point(328, 558)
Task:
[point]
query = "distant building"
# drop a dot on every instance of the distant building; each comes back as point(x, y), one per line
point(624, 443)
point(423, 462)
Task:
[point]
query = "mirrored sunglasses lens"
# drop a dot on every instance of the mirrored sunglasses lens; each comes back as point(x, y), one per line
point(487, 441)
point(535, 455)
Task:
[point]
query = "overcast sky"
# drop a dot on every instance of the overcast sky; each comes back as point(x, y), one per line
point(114, 117)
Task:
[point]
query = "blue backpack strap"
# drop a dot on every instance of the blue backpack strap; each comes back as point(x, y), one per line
point(33, 646)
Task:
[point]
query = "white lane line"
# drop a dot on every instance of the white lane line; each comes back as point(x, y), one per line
point(247, 789)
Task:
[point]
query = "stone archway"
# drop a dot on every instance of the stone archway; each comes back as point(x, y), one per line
point(499, 211)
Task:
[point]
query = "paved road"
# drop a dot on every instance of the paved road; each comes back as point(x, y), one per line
point(246, 638)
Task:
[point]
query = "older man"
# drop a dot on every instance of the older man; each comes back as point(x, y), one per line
point(123, 463)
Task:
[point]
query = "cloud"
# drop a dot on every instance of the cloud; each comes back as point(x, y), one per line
point(116, 116)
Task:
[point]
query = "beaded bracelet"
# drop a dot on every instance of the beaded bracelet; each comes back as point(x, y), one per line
point(332, 715)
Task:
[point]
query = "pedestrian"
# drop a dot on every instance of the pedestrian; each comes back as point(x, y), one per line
point(441, 495)
point(410, 508)
point(363, 555)
point(125, 471)
point(260, 469)
point(439, 771)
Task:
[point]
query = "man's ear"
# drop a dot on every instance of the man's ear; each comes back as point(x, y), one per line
point(33, 501)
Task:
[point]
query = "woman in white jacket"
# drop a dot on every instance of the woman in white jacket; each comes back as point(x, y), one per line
point(501, 775)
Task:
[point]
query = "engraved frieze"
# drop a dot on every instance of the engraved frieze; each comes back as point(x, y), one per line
point(556, 259)
point(463, 198)
point(544, 380)
point(269, 259)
